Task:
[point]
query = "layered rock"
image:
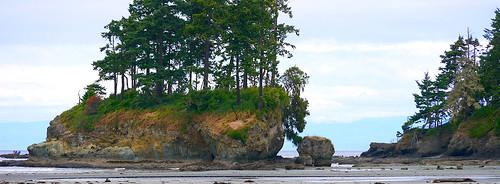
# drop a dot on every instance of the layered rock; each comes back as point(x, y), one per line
point(163, 135)
point(316, 151)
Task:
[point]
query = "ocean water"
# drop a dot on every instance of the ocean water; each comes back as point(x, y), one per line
point(3, 152)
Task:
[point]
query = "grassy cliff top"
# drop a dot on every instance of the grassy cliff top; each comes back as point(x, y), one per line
point(478, 125)
point(176, 107)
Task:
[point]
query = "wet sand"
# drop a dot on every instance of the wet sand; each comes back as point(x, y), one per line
point(335, 174)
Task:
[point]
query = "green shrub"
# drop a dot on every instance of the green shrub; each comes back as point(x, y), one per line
point(483, 121)
point(481, 129)
point(497, 126)
point(220, 100)
point(78, 120)
point(217, 101)
point(240, 134)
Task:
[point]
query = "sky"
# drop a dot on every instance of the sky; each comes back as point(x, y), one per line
point(363, 56)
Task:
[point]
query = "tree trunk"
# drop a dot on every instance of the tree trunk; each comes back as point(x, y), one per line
point(261, 91)
point(115, 82)
point(132, 77)
point(238, 92)
point(160, 85)
point(267, 77)
point(229, 72)
point(126, 82)
point(123, 83)
point(169, 88)
point(206, 64)
point(190, 79)
point(245, 80)
point(273, 78)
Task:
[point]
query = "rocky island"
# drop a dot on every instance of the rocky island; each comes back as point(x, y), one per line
point(166, 132)
point(188, 84)
point(474, 138)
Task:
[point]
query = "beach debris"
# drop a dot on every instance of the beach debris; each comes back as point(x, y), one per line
point(379, 183)
point(249, 181)
point(454, 180)
point(119, 169)
point(404, 168)
point(439, 167)
point(221, 182)
point(107, 180)
point(460, 167)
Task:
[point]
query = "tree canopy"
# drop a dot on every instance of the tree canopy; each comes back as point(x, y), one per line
point(467, 81)
point(170, 47)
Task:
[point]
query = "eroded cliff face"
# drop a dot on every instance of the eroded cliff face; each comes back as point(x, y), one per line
point(458, 143)
point(163, 135)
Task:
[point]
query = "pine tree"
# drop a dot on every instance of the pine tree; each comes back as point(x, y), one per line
point(294, 81)
point(489, 69)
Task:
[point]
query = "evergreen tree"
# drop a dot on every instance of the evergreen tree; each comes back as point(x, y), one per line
point(489, 69)
point(294, 81)
point(428, 102)
point(110, 67)
point(463, 98)
point(450, 60)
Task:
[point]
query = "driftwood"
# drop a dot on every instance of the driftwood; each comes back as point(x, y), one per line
point(452, 180)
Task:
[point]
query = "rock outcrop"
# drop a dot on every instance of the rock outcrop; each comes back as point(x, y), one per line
point(163, 135)
point(380, 150)
point(445, 141)
point(316, 151)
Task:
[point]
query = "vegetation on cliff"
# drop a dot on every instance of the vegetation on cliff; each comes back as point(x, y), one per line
point(458, 109)
point(189, 57)
point(466, 88)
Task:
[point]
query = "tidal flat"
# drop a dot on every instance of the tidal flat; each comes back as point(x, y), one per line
point(336, 174)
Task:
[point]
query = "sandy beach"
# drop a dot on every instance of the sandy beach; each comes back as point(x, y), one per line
point(334, 174)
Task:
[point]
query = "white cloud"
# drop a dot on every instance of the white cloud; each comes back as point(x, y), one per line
point(409, 48)
point(354, 81)
point(363, 56)
point(43, 79)
point(42, 85)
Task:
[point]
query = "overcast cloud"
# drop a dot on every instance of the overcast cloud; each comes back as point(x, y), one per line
point(363, 56)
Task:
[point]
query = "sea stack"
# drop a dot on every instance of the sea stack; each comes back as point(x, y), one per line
point(316, 151)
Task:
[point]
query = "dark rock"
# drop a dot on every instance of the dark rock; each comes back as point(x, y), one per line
point(316, 151)
point(380, 150)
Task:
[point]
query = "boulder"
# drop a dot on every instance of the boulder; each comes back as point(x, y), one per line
point(316, 151)
point(47, 150)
